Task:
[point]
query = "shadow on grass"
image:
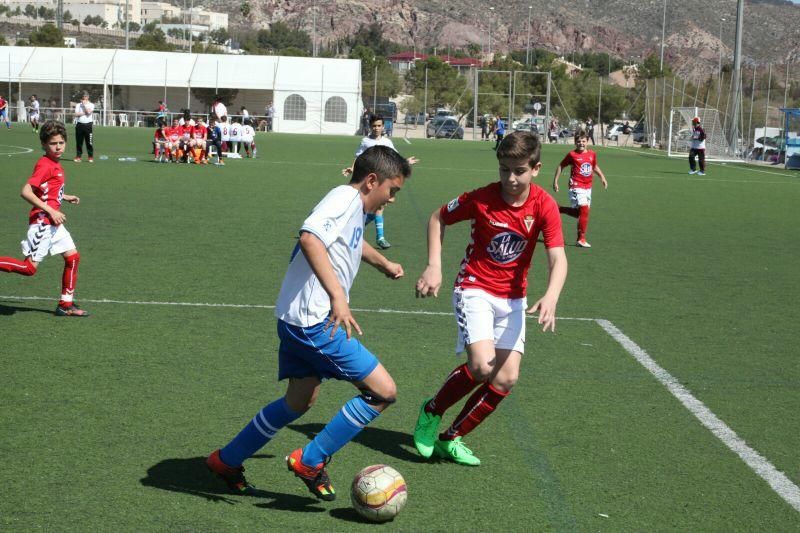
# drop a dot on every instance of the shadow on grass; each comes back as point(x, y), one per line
point(190, 476)
point(348, 514)
point(393, 443)
point(7, 310)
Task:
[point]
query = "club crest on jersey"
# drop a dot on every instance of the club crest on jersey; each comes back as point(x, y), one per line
point(506, 247)
point(586, 169)
point(528, 222)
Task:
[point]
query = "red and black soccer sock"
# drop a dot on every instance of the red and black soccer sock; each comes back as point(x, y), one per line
point(69, 278)
point(571, 211)
point(457, 385)
point(24, 268)
point(583, 221)
point(480, 405)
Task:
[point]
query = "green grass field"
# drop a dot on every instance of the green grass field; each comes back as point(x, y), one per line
point(106, 421)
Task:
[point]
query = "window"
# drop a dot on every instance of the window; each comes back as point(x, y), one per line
point(335, 109)
point(294, 108)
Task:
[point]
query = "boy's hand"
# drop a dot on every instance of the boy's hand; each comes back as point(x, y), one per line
point(429, 282)
point(412, 160)
point(393, 270)
point(57, 216)
point(341, 315)
point(347, 171)
point(555, 186)
point(605, 183)
point(547, 312)
point(71, 198)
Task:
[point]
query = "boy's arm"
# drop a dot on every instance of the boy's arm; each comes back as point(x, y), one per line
point(29, 196)
point(555, 178)
point(317, 256)
point(374, 258)
point(430, 281)
point(602, 177)
point(546, 305)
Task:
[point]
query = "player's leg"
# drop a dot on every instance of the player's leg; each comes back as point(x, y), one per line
point(79, 139)
point(90, 142)
point(66, 303)
point(34, 249)
point(380, 240)
point(584, 202)
point(345, 359)
point(692, 153)
point(26, 267)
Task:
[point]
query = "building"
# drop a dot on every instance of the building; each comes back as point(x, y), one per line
point(158, 11)
point(571, 68)
point(403, 62)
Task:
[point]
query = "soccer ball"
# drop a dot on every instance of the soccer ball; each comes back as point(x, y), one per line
point(378, 493)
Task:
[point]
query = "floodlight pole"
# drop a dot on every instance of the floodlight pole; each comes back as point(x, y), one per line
point(127, 42)
point(663, 34)
point(737, 75)
point(721, 20)
point(528, 48)
point(314, 32)
point(191, 9)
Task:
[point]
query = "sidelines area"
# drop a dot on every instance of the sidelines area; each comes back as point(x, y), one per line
point(776, 479)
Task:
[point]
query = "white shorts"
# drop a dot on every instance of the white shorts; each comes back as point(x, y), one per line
point(579, 197)
point(247, 139)
point(481, 316)
point(44, 238)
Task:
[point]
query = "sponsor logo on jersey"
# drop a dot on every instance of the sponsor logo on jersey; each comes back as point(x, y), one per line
point(506, 247)
point(586, 169)
point(498, 224)
point(452, 205)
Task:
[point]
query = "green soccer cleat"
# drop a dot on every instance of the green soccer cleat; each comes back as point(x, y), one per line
point(455, 450)
point(426, 430)
point(383, 244)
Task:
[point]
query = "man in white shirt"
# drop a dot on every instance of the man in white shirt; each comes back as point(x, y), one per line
point(315, 326)
point(218, 109)
point(83, 128)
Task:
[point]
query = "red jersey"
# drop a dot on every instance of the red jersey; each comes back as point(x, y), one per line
point(502, 238)
point(199, 132)
point(185, 131)
point(174, 134)
point(3, 103)
point(47, 183)
point(159, 134)
point(583, 165)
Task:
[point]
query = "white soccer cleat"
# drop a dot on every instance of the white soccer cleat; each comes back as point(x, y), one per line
point(583, 244)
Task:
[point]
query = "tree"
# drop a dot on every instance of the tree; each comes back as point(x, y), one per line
point(219, 36)
point(30, 11)
point(245, 9)
point(372, 37)
point(280, 36)
point(3, 41)
point(388, 80)
point(445, 88)
point(207, 96)
point(88, 21)
point(47, 35)
point(133, 26)
point(154, 41)
point(66, 16)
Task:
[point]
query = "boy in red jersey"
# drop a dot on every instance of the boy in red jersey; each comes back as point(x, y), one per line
point(174, 138)
point(160, 143)
point(489, 295)
point(47, 233)
point(198, 142)
point(584, 166)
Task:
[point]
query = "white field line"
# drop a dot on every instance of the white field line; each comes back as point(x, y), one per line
point(776, 479)
point(759, 464)
point(687, 179)
point(25, 150)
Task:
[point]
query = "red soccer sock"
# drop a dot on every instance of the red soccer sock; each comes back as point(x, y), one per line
point(24, 268)
point(68, 279)
point(583, 221)
point(457, 385)
point(480, 405)
point(571, 211)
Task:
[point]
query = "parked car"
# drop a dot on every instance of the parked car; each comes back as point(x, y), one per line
point(444, 128)
point(613, 132)
point(639, 135)
point(412, 118)
point(525, 124)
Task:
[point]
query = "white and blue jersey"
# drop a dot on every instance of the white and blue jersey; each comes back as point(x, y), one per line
point(303, 305)
point(369, 142)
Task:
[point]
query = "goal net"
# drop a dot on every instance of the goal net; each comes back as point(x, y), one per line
point(680, 133)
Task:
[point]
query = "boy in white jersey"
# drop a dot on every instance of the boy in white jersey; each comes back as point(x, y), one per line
point(315, 326)
point(249, 138)
point(377, 138)
point(33, 113)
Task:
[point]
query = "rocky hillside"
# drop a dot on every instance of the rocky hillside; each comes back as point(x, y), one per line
point(629, 30)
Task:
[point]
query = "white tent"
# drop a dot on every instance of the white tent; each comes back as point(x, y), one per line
point(310, 95)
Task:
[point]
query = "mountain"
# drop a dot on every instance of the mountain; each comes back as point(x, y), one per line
point(626, 29)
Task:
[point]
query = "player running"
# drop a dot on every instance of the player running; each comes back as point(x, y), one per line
point(315, 326)
point(489, 295)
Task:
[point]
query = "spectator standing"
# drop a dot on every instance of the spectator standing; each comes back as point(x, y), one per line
point(83, 128)
point(270, 115)
point(484, 128)
point(590, 129)
point(553, 130)
point(365, 122)
point(218, 109)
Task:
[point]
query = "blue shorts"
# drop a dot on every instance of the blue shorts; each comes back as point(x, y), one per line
point(306, 352)
point(3, 114)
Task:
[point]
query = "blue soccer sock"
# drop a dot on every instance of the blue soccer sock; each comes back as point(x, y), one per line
point(258, 432)
point(342, 428)
point(378, 227)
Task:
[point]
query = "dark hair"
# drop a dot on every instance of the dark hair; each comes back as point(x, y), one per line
point(520, 144)
point(187, 115)
point(382, 161)
point(50, 129)
point(373, 117)
point(581, 133)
